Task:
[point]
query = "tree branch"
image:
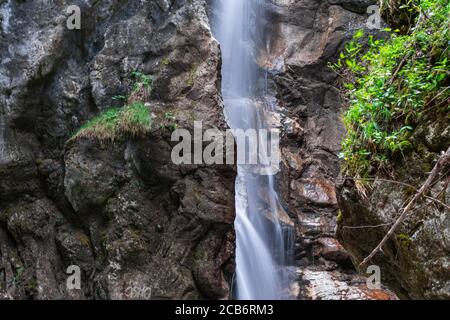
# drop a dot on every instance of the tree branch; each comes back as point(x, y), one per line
point(442, 162)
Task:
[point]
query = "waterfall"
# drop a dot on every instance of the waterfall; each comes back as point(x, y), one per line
point(261, 248)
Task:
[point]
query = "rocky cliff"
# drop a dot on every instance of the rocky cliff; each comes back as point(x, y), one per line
point(307, 35)
point(397, 188)
point(139, 226)
point(135, 224)
point(415, 260)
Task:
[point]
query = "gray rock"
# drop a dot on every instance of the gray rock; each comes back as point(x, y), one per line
point(138, 226)
point(359, 6)
point(307, 35)
point(414, 262)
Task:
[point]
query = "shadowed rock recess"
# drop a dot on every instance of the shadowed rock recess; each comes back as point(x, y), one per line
point(122, 211)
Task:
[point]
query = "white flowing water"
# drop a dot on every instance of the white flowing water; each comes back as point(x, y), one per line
point(261, 251)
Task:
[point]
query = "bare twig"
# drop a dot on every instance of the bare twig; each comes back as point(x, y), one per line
point(399, 183)
point(438, 201)
point(367, 226)
point(444, 90)
point(400, 66)
point(379, 179)
point(443, 160)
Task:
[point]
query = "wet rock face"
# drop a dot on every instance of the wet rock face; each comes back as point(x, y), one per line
point(333, 285)
point(307, 35)
point(137, 225)
point(414, 263)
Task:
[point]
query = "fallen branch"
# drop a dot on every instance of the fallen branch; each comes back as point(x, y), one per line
point(442, 162)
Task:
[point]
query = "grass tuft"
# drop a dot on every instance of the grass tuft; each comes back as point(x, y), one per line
point(132, 120)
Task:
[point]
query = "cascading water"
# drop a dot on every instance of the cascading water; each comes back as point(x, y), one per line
point(261, 249)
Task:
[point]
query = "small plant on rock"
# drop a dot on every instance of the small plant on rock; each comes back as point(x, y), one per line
point(133, 119)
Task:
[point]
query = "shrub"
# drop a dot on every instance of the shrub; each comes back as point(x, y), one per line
point(392, 85)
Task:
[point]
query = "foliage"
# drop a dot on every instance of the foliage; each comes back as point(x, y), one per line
point(133, 119)
point(169, 123)
point(119, 97)
point(142, 81)
point(18, 275)
point(400, 14)
point(404, 239)
point(391, 85)
point(340, 216)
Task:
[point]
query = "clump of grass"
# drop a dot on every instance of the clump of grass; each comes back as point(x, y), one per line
point(392, 86)
point(132, 120)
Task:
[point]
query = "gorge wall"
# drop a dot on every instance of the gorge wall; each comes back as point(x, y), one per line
point(415, 260)
point(122, 211)
point(306, 36)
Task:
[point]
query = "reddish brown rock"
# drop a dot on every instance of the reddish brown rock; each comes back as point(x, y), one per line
point(319, 192)
point(307, 35)
point(334, 285)
point(331, 249)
